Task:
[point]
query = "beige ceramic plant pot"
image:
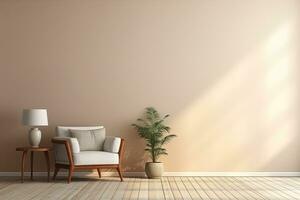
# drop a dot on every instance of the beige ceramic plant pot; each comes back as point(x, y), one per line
point(154, 170)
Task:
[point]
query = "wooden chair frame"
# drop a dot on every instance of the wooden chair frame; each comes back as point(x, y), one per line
point(73, 167)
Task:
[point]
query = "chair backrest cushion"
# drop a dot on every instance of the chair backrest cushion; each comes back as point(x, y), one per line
point(64, 131)
point(89, 140)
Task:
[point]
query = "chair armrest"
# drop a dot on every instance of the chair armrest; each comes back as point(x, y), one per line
point(73, 142)
point(115, 145)
point(112, 144)
point(64, 147)
point(121, 150)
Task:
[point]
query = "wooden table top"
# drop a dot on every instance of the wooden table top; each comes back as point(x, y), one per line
point(34, 148)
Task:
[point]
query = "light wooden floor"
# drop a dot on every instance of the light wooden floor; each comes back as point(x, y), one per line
point(167, 188)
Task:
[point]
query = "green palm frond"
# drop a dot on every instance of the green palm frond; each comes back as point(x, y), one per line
point(166, 116)
point(152, 128)
point(168, 138)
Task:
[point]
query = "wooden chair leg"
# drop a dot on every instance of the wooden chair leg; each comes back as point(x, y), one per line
point(31, 165)
point(120, 174)
point(55, 172)
point(71, 169)
point(99, 172)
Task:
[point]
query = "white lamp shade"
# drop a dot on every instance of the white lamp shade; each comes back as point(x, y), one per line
point(35, 117)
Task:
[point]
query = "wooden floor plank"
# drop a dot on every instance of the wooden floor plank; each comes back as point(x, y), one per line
point(219, 192)
point(25, 191)
point(85, 191)
point(135, 189)
point(198, 188)
point(144, 189)
point(211, 194)
point(182, 189)
point(174, 188)
point(221, 187)
point(155, 189)
point(58, 191)
point(240, 190)
point(272, 188)
point(295, 180)
point(282, 187)
point(285, 185)
point(73, 190)
point(119, 193)
point(110, 190)
point(245, 190)
point(263, 189)
point(166, 188)
point(231, 193)
point(189, 188)
point(259, 189)
point(6, 181)
point(129, 188)
point(227, 188)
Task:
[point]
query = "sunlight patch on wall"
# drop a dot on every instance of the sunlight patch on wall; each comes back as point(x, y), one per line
point(256, 99)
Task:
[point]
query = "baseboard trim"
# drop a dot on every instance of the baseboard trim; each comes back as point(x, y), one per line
point(142, 174)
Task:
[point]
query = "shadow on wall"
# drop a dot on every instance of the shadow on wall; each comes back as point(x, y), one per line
point(135, 157)
point(256, 99)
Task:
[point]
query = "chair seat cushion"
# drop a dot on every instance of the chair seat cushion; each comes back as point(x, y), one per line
point(95, 158)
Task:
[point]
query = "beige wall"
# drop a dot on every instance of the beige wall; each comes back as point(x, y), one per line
point(226, 71)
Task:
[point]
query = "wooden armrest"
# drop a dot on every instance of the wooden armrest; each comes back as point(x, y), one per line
point(59, 141)
point(67, 145)
point(121, 150)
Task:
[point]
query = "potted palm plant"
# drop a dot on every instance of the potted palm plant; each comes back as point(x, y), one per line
point(152, 128)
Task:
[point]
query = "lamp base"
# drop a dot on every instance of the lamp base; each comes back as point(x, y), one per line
point(35, 136)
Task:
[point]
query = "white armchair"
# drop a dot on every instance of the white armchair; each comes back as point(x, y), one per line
point(69, 155)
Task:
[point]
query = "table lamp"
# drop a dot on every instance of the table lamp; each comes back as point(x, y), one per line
point(34, 118)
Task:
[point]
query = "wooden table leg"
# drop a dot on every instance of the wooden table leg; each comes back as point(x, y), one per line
point(48, 163)
point(23, 165)
point(31, 166)
point(99, 172)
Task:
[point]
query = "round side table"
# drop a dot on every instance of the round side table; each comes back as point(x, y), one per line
point(32, 150)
